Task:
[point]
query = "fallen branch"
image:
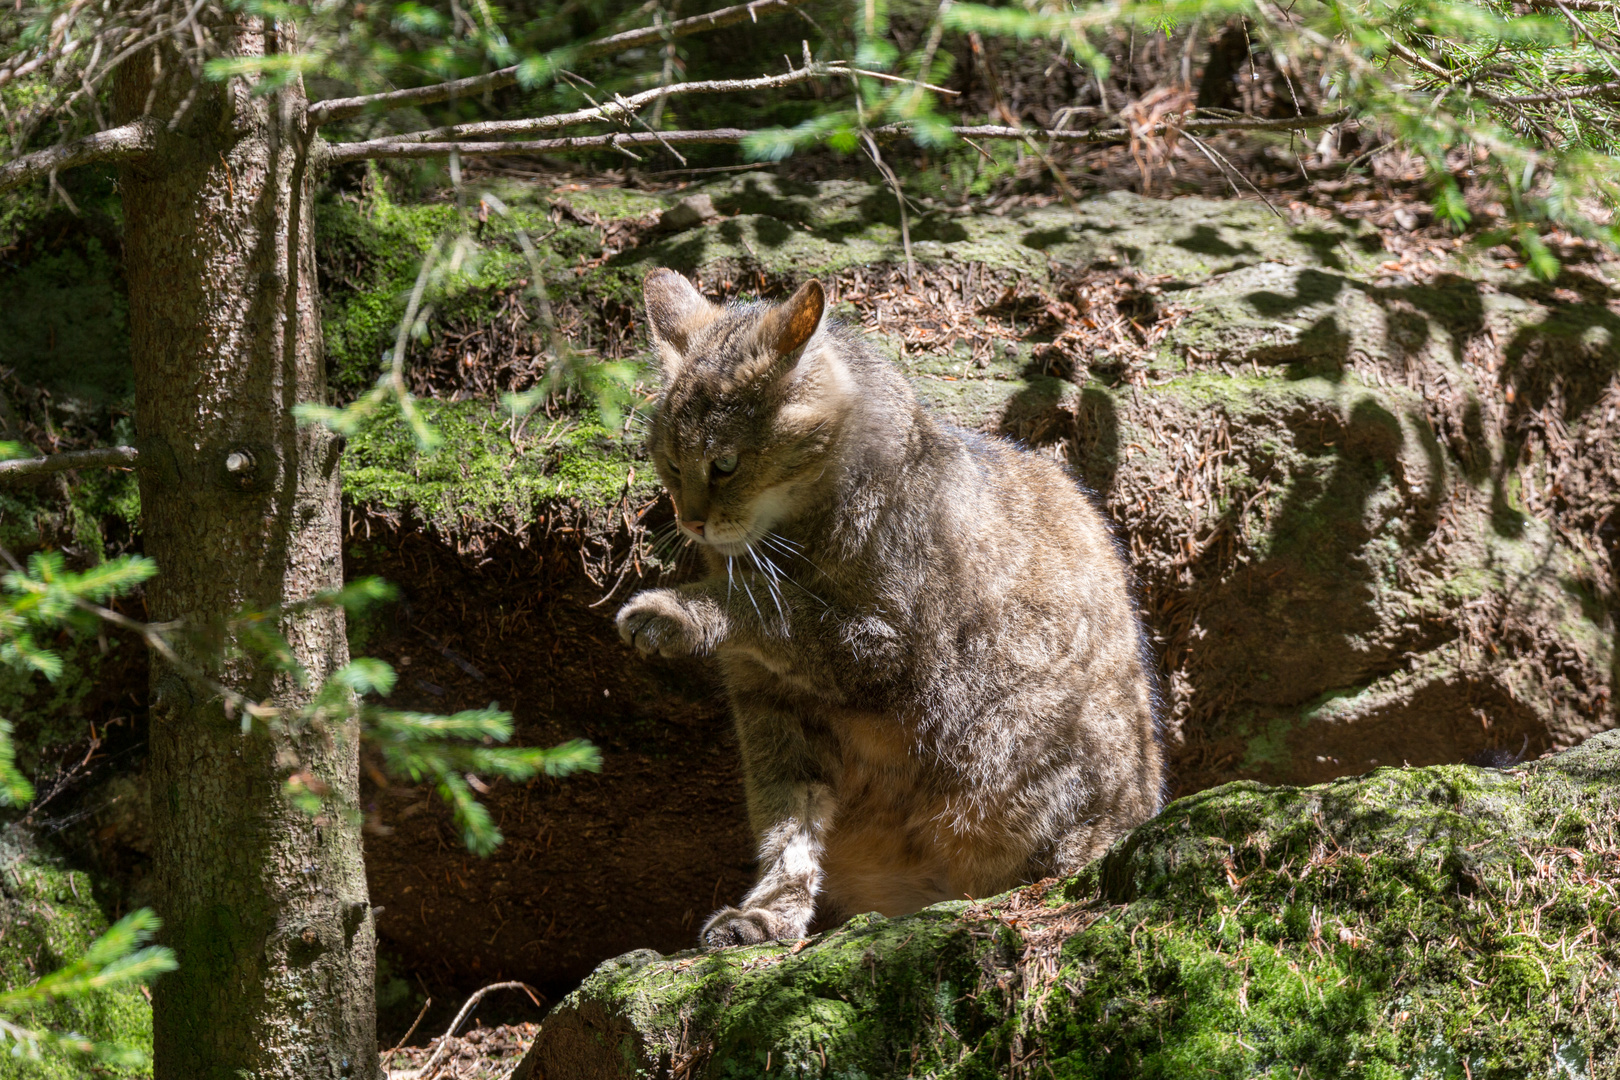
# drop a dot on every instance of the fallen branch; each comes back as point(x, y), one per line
point(72, 459)
point(617, 140)
point(619, 108)
point(625, 140)
point(426, 1005)
point(323, 112)
point(114, 144)
point(1115, 134)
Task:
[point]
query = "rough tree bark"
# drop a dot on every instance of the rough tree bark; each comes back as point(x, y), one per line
point(265, 905)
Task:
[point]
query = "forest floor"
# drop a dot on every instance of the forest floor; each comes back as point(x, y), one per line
point(482, 1053)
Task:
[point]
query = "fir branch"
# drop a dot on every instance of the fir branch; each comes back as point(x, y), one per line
point(324, 112)
point(1609, 89)
point(1597, 90)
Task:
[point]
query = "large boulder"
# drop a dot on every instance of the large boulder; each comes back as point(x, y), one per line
point(1435, 922)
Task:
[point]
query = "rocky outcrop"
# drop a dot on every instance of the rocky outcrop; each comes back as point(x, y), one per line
point(1434, 922)
point(1371, 502)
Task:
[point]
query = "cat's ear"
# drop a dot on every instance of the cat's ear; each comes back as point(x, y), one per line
point(676, 312)
point(790, 325)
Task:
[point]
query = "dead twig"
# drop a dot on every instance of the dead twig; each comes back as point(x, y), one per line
point(324, 112)
point(407, 1038)
point(427, 1071)
point(402, 148)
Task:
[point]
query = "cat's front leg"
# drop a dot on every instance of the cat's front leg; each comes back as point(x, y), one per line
point(671, 623)
point(781, 906)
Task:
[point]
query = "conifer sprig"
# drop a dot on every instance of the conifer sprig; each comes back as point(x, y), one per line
point(120, 957)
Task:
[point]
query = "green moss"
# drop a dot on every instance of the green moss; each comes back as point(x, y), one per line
point(1441, 922)
point(50, 915)
point(616, 204)
point(482, 474)
point(1270, 747)
point(372, 251)
point(52, 512)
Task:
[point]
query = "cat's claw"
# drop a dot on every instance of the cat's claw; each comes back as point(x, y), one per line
point(731, 926)
point(655, 622)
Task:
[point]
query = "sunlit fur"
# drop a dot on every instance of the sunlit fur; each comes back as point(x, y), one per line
point(927, 636)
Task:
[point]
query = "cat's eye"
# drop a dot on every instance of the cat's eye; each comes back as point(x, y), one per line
point(726, 465)
point(674, 468)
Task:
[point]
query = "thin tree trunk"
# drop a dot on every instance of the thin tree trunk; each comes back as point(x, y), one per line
point(265, 905)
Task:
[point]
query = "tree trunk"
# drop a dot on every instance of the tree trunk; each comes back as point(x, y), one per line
point(265, 905)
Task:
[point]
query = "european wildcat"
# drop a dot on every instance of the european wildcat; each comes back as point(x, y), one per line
point(927, 636)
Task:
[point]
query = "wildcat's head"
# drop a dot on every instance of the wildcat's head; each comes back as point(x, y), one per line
point(754, 397)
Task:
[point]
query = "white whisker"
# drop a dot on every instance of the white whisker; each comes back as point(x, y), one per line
point(750, 593)
point(794, 550)
point(767, 568)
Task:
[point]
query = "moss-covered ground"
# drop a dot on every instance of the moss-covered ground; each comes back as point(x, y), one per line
point(491, 470)
point(49, 914)
point(1446, 922)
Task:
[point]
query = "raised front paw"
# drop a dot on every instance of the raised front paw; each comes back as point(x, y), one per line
point(656, 621)
point(732, 926)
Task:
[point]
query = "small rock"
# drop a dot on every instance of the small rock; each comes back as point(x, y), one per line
point(690, 211)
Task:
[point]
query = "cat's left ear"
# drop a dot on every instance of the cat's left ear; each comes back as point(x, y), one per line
point(790, 325)
point(676, 312)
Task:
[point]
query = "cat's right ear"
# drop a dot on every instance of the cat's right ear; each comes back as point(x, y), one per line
point(676, 312)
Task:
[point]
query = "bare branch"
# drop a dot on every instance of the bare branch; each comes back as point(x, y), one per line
point(384, 148)
point(324, 112)
point(72, 459)
point(1115, 134)
point(114, 144)
point(619, 109)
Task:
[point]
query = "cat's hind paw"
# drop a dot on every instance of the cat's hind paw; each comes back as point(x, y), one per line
point(655, 621)
point(732, 926)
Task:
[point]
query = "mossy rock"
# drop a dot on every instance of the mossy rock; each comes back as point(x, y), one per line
point(781, 226)
point(50, 914)
point(1436, 922)
point(1354, 508)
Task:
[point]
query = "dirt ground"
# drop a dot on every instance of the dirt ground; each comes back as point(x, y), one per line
point(593, 865)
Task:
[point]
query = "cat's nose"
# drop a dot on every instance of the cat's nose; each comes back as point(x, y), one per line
point(695, 527)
